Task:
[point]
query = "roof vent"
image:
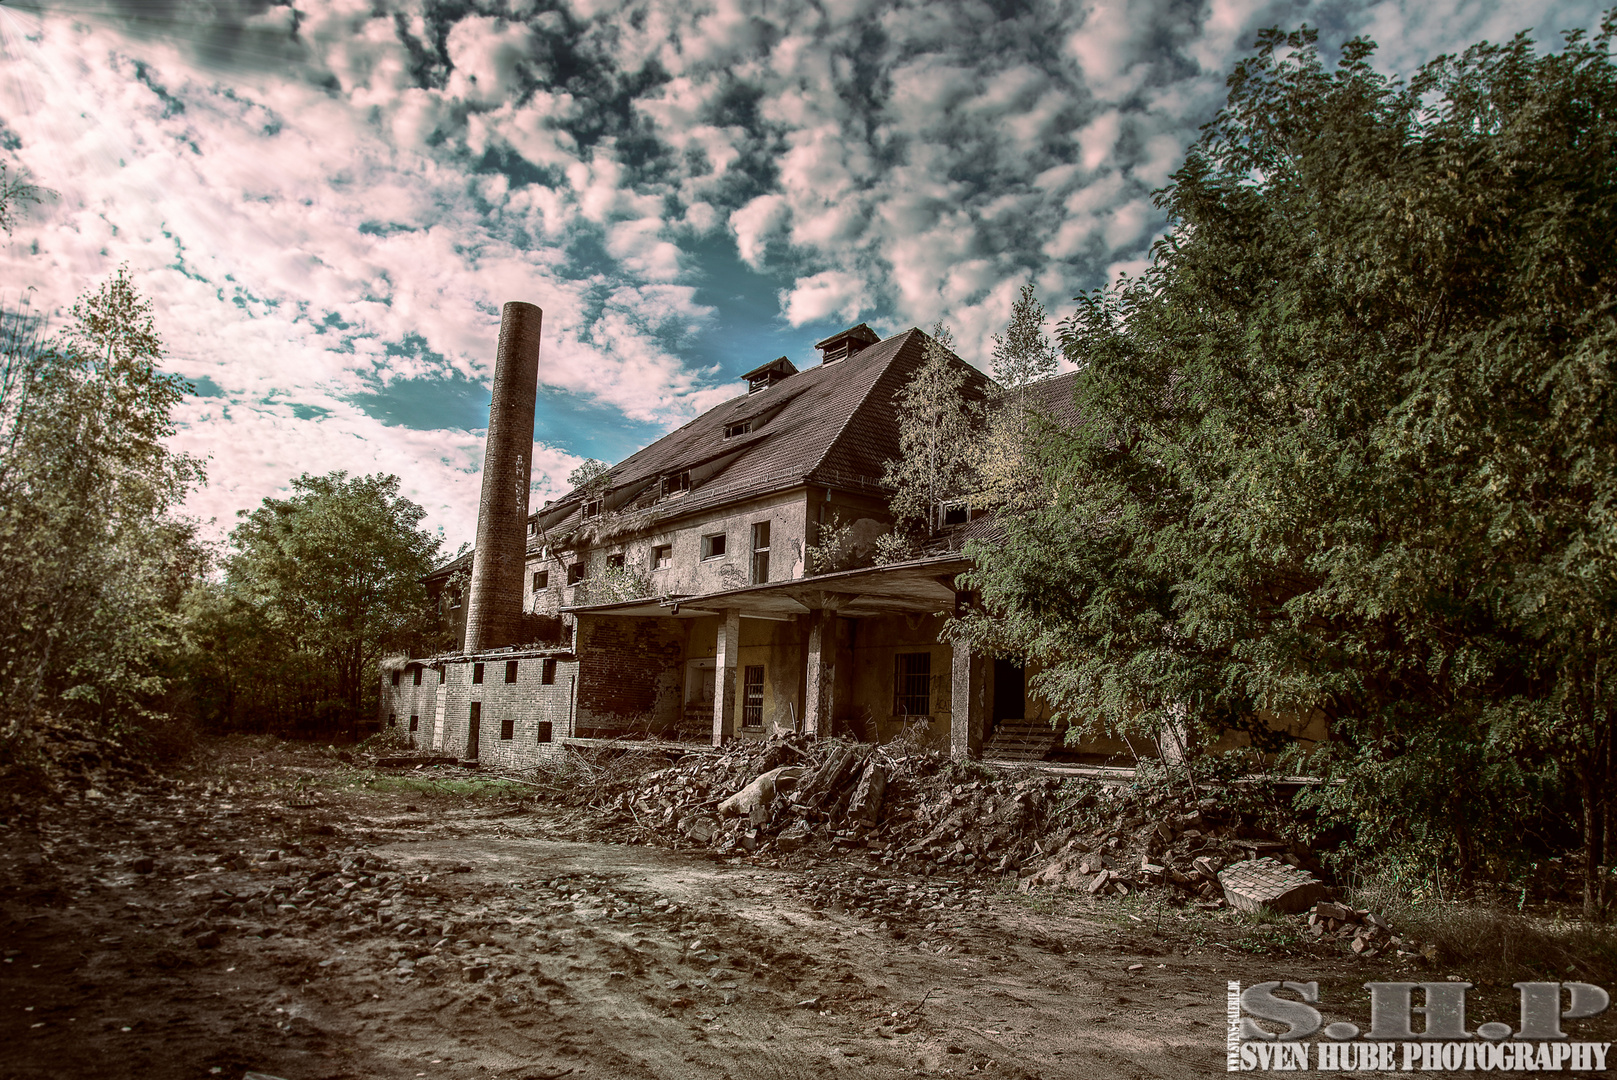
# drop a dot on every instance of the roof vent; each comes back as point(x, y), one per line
point(762, 378)
point(841, 345)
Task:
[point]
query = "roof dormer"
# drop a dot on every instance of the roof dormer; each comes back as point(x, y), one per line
point(762, 378)
point(845, 343)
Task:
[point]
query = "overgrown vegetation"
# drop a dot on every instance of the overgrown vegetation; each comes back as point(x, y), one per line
point(1351, 454)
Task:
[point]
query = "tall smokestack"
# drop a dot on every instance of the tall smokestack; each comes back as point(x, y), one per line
point(494, 606)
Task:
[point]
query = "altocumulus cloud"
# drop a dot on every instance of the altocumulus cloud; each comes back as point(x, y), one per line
point(328, 201)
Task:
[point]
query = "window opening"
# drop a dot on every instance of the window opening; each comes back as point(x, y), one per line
point(507, 727)
point(418, 676)
point(511, 671)
point(732, 430)
point(415, 721)
point(477, 673)
point(912, 684)
point(752, 696)
point(575, 573)
point(544, 730)
point(713, 546)
point(541, 580)
point(547, 671)
point(760, 553)
point(662, 556)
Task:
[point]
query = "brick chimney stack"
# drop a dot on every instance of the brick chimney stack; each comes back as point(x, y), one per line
point(494, 603)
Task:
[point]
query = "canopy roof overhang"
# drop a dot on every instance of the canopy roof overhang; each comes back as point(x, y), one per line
point(924, 587)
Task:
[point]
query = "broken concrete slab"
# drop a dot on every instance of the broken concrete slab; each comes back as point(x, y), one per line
point(1267, 883)
point(867, 796)
point(761, 793)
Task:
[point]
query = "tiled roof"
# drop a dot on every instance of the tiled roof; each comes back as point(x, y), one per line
point(833, 424)
point(1054, 397)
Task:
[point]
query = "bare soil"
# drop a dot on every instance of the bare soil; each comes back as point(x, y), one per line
point(304, 920)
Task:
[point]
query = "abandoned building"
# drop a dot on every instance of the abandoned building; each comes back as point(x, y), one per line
point(715, 585)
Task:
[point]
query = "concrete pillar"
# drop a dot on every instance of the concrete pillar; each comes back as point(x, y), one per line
point(820, 674)
point(494, 598)
point(724, 677)
point(966, 704)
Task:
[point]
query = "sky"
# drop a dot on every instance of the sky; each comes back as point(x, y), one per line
point(327, 202)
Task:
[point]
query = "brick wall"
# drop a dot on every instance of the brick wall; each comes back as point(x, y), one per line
point(629, 673)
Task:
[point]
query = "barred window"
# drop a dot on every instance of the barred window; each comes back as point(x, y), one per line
point(912, 684)
point(752, 696)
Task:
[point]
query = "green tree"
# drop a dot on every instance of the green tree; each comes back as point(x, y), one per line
point(938, 411)
point(1023, 355)
point(1353, 448)
point(95, 561)
point(331, 576)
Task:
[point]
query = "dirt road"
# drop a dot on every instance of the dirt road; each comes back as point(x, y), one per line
point(276, 914)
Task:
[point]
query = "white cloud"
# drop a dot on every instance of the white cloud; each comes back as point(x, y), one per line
point(822, 295)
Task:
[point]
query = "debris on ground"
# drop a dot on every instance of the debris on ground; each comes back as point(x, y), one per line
point(915, 811)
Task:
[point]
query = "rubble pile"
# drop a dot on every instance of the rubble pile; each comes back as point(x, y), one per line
point(1365, 932)
point(917, 812)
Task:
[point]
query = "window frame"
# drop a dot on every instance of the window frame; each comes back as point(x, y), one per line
point(417, 677)
point(547, 671)
point(508, 728)
point(616, 561)
point(477, 674)
point(759, 572)
point(912, 683)
point(541, 580)
point(708, 554)
point(511, 670)
point(662, 556)
point(575, 573)
point(752, 711)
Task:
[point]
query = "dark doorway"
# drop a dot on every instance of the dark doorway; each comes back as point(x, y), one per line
point(1010, 690)
point(473, 729)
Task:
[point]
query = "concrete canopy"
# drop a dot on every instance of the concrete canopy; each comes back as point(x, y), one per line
point(925, 587)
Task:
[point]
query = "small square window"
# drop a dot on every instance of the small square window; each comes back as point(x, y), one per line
point(507, 727)
point(544, 730)
point(732, 430)
point(575, 573)
point(418, 676)
point(541, 580)
point(615, 562)
point(676, 483)
point(592, 509)
point(713, 546)
point(547, 671)
point(662, 556)
point(415, 723)
point(477, 673)
point(511, 671)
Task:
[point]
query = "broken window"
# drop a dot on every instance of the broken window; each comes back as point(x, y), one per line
point(592, 509)
point(575, 573)
point(912, 684)
point(713, 546)
point(477, 673)
point(511, 671)
point(541, 580)
point(954, 513)
point(732, 430)
point(676, 483)
point(760, 553)
point(662, 556)
point(507, 727)
point(547, 672)
point(752, 696)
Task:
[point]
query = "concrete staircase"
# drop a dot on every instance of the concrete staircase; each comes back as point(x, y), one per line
point(1022, 740)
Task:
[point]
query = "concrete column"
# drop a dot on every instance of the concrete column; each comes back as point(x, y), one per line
point(820, 675)
point(724, 677)
point(966, 712)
